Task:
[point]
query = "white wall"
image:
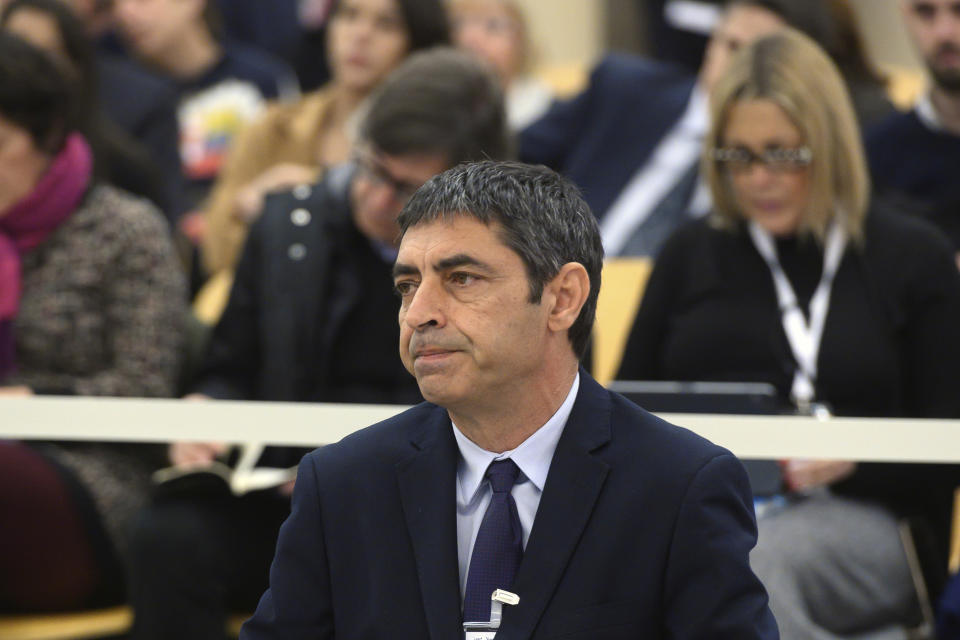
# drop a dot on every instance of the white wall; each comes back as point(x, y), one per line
point(565, 31)
point(571, 31)
point(884, 33)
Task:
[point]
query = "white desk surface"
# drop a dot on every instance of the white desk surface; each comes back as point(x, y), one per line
point(137, 420)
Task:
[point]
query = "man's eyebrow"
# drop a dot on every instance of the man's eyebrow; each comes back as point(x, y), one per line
point(400, 269)
point(461, 260)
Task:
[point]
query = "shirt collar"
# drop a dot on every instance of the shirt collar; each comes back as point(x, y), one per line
point(928, 113)
point(696, 117)
point(533, 456)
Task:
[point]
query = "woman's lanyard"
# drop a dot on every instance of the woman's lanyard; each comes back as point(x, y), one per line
point(804, 338)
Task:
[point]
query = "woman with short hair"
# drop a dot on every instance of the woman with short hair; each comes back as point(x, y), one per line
point(91, 303)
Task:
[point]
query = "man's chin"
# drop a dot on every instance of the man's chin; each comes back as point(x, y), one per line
point(947, 80)
point(436, 388)
point(436, 394)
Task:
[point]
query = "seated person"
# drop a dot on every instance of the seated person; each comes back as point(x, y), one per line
point(520, 472)
point(914, 156)
point(833, 25)
point(91, 303)
point(140, 103)
point(222, 85)
point(120, 159)
point(496, 30)
point(797, 280)
point(311, 318)
point(291, 143)
point(632, 139)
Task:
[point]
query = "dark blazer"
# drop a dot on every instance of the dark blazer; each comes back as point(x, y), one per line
point(293, 293)
point(643, 531)
point(264, 343)
point(600, 138)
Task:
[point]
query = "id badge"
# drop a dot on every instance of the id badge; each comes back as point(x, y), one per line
point(488, 630)
point(478, 634)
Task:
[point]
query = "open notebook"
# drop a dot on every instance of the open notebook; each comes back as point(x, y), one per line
point(241, 477)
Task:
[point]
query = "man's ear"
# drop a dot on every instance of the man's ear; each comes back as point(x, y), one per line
point(568, 292)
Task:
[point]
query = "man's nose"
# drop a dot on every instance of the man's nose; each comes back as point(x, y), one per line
point(426, 306)
point(946, 27)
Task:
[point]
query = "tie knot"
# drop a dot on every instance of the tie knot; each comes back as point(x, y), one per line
point(502, 475)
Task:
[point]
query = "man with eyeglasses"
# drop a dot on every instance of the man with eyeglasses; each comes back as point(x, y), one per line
point(312, 316)
point(914, 156)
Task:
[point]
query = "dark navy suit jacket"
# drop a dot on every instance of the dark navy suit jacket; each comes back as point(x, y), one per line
point(643, 531)
point(600, 138)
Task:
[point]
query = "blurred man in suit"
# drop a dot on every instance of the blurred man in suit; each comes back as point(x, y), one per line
point(631, 141)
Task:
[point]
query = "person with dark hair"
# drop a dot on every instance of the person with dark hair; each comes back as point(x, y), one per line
point(312, 291)
point(914, 155)
point(293, 143)
point(120, 160)
point(832, 24)
point(222, 85)
point(136, 101)
point(91, 303)
point(520, 477)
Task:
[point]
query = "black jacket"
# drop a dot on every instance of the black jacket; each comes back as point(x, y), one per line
point(296, 285)
point(643, 530)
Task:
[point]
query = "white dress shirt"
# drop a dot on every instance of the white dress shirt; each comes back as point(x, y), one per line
point(533, 457)
point(678, 151)
point(928, 113)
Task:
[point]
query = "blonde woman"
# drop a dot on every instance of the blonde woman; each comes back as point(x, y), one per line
point(496, 31)
point(798, 281)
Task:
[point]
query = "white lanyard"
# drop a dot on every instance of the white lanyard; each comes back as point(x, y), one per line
point(804, 338)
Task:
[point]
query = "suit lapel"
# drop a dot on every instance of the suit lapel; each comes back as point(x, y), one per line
point(632, 146)
point(427, 492)
point(573, 485)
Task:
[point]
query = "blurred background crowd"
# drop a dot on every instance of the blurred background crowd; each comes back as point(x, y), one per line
point(198, 200)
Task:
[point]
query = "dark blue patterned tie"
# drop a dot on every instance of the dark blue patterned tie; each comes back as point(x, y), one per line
point(499, 546)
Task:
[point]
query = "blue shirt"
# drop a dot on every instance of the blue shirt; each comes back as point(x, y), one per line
point(533, 457)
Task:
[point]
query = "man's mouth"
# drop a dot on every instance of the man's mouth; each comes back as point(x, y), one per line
point(431, 353)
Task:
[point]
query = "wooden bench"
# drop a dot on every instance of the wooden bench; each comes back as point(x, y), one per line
point(80, 625)
point(83, 625)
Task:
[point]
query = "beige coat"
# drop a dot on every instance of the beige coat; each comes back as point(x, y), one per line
point(286, 133)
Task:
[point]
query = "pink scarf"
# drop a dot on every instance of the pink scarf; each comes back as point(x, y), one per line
point(28, 223)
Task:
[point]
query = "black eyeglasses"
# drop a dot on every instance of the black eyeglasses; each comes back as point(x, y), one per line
point(374, 170)
point(780, 159)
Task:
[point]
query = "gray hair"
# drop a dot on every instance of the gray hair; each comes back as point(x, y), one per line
point(543, 217)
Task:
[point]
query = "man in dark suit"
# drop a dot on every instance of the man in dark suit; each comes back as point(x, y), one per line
point(520, 473)
point(632, 139)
